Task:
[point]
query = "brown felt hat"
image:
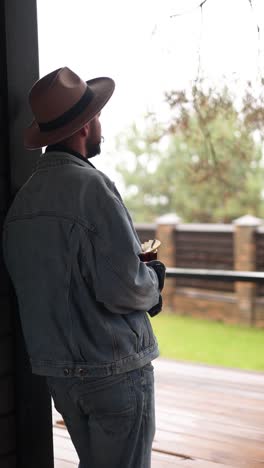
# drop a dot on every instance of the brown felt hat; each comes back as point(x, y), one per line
point(62, 103)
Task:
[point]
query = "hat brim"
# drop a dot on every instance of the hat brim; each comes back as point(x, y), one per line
point(102, 88)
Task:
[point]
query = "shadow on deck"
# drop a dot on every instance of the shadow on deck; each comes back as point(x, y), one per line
point(206, 417)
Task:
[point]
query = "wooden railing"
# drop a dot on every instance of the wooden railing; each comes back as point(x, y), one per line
point(222, 275)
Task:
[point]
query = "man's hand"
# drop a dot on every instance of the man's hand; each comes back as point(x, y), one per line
point(148, 256)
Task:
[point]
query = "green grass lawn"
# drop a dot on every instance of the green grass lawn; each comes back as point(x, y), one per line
point(204, 341)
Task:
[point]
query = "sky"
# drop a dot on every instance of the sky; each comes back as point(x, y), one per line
point(149, 47)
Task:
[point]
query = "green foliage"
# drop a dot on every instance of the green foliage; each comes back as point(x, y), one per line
point(205, 163)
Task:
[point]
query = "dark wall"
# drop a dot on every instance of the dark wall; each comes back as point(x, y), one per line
point(25, 412)
point(7, 363)
point(22, 70)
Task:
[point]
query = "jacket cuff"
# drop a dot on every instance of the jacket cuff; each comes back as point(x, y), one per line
point(160, 270)
point(156, 309)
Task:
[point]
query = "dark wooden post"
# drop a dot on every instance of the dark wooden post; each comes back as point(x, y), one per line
point(25, 406)
point(245, 260)
point(166, 226)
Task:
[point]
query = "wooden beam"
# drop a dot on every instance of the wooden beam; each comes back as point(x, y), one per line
point(32, 426)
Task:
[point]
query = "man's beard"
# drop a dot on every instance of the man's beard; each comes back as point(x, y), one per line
point(93, 149)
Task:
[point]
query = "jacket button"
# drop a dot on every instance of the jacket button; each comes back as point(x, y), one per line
point(81, 371)
point(66, 371)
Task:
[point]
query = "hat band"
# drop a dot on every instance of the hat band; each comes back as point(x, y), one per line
point(69, 115)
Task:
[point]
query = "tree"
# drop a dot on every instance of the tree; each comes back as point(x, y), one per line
point(205, 163)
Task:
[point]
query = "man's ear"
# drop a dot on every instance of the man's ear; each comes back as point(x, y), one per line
point(84, 131)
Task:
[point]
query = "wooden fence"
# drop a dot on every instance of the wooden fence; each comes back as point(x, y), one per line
point(237, 246)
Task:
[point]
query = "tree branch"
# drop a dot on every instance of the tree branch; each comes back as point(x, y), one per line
point(189, 11)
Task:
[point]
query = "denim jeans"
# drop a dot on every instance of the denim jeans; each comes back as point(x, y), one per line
point(111, 420)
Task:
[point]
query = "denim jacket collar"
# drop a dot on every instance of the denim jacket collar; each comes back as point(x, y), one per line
point(57, 158)
point(59, 147)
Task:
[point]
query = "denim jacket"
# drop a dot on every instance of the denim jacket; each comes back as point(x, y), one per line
point(71, 251)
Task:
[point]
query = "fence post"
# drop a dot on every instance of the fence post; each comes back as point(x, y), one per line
point(245, 260)
point(166, 225)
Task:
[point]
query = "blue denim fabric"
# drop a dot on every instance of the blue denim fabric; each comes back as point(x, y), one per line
point(111, 420)
point(71, 251)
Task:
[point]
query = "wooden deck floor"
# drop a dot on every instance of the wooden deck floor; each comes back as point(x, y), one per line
point(206, 417)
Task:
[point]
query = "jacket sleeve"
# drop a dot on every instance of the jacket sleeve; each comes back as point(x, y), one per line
point(111, 265)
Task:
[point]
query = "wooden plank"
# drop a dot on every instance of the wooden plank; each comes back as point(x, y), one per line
point(169, 370)
point(242, 415)
point(226, 390)
point(221, 384)
point(63, 446)
point(6, 355)
point(7, 403)
point(6, 316)
point(9, 461)
point(4, 190)
point(188, 377)
point(161, 460)
point(188, 423)
point(197, 447)
point(7, 434)
point(64, 464)
point(194, 446)
point(67, 458)
point(159, 463)
point(223, 432)
point(65, 454)
point(218, 395)
point(4, 277)
point(4, 280)
point(19, 28)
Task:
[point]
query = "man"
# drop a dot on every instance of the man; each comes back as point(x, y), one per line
point(73, 257)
